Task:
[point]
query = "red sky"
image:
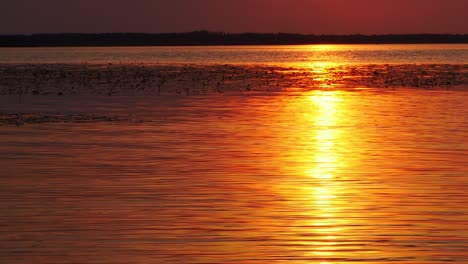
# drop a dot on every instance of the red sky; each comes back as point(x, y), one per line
point(292, 16)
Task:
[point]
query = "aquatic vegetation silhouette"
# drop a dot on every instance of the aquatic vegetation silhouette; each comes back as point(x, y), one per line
point(144, 79)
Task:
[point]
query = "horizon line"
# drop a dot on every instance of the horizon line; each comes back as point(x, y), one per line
point(227, 33)
point(209, 38)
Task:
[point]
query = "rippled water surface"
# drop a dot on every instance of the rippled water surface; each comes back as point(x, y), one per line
point(290, 54)
point(370, 176)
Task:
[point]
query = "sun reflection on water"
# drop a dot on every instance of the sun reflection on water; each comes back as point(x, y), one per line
point(325, 121)
point(325, 163)
point(325, 76)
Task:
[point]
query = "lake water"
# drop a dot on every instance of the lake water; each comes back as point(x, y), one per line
point(329, 176)
point(291, 55)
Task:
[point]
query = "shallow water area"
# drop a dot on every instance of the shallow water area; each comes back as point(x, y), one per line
point(356, 176)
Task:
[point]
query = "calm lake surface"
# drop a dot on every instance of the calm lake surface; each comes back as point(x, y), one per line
point(291, 55)
point(324, 176)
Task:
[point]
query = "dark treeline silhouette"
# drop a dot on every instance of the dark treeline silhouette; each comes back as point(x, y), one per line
point(216, 38)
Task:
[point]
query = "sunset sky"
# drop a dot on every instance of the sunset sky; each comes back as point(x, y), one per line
point(292, 16)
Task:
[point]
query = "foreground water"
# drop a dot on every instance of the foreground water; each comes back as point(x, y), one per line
point(365, 176)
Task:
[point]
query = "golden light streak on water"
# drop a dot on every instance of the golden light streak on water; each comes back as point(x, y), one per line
point(326, 161)
point(322, 177)
point(320, 188)
point(326, 74)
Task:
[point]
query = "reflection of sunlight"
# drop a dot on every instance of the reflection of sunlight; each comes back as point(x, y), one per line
point(323, 65)
point(323, 195)
point(324, 47)
point(325, 164)
point(324, 73)
point(318, 194)
point(325, 119)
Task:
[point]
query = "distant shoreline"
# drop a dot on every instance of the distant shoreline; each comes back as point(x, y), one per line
point(206, 38)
